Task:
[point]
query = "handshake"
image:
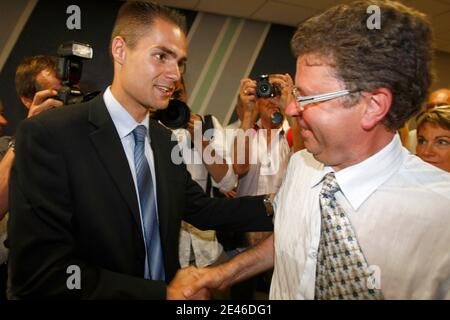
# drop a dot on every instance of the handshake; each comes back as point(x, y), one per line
point(197, 283)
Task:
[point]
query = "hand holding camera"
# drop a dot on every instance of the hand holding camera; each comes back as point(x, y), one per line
point(247, 94)
point(279, 87)
point(284, 85)
point(247, 103)
point(44, 100)
point(276, 86)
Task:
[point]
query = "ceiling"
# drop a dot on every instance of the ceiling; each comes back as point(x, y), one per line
point(291, 12)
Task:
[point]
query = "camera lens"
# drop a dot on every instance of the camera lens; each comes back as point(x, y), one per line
point(175, 116)
point(264, 88)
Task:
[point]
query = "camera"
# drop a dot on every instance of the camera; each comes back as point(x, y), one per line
point(265, 89)
point(69, 69)
point(175, 116)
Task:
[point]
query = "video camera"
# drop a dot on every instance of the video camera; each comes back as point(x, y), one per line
point(265, 89)
point(71, 54)
point(175, 116)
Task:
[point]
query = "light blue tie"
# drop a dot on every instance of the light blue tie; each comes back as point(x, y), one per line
point(154, 265)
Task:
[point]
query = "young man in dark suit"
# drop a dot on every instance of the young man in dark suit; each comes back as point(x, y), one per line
point(79, 203)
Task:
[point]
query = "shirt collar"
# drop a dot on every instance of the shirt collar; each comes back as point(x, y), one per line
point(359, 181)
point(123, 121)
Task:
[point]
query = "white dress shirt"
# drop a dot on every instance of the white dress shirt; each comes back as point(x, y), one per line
point(125, 124)
point(399, 207)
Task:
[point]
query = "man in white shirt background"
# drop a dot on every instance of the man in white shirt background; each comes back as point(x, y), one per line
point(261, 153)
point(355, 86)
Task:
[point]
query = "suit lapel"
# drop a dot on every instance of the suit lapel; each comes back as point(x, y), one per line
point(110, 150)
point(162, 187)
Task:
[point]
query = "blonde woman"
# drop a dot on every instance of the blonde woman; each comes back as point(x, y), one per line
point(433, 137)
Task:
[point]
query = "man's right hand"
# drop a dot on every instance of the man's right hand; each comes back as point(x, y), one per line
point(247, 94)
point(182, 280)
point(208, 278)
point(247, 101)
point(42, 101)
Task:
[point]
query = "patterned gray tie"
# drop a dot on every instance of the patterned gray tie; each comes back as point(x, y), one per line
point(154, 265)
point(342, 270)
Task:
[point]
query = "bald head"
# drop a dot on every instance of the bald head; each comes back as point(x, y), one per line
point(440, 97)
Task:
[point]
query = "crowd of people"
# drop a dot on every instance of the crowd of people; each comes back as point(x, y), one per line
point(313, 186)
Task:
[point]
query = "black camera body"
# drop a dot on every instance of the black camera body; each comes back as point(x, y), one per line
point(69, 95)
point(69, 69)
point(265, 89)
point(175, 116)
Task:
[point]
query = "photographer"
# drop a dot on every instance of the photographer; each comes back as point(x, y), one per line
point(36, 84)
point(261, 172)
point(261, 148)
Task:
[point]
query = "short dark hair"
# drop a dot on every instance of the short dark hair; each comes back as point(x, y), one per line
point(27, 72)
point(135, 17)
point(397, 56)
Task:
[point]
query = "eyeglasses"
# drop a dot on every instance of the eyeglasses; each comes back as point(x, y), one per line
point(302, 101)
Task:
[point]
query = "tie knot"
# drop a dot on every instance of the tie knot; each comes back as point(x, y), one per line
point(330, 185)
point(139, 134)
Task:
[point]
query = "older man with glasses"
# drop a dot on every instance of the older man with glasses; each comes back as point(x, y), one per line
point(357, 216)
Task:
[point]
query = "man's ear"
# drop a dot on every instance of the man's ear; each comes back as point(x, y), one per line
point(26, 101)
point(119, 49)
point(378, 104)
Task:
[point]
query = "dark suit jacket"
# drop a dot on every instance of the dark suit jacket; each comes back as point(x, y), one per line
point(73, 202)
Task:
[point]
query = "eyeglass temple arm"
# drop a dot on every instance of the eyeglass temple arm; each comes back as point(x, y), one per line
point(322, 97)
